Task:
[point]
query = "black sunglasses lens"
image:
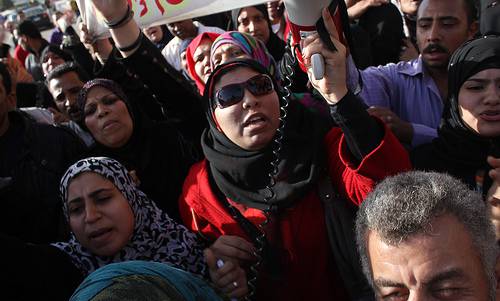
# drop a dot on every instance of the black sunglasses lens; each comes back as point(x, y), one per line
point(260, 85)
point(229, 95)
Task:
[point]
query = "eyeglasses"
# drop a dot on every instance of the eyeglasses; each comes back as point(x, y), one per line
point(231, 94)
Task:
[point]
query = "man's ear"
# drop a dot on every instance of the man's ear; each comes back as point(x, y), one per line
point(473, 29)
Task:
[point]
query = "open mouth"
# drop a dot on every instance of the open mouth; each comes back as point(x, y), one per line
point(99, 233)
point(434, 50)
point(255, 120)
point(108, 125)
point(490, 115)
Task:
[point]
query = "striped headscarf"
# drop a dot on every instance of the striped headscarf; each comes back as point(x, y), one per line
point(251, 48)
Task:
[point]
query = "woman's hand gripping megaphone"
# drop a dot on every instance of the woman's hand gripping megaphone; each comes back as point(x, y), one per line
point(332, 85)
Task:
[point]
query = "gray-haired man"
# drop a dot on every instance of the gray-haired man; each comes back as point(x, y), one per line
point(425, 236)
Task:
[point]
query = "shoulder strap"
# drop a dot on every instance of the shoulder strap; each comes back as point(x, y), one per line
point(339, 220)
point(271, 257)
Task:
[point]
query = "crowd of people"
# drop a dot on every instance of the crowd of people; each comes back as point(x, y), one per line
point(205, 160)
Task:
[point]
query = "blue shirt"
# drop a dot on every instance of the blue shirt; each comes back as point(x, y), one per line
point(56, 37)
point(408, 91)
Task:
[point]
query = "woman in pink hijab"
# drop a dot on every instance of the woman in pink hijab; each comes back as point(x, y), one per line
point(198, 59)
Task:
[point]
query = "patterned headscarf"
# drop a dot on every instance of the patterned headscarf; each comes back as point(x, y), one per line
point(190, 59)
point(156, 236)
point(253, 48)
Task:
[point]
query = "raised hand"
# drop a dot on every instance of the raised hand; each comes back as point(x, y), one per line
point(111, 10)
point(333, 85)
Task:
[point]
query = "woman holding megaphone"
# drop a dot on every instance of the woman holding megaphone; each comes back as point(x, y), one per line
point(278, 188)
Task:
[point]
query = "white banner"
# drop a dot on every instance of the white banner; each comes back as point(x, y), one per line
point(156, 12)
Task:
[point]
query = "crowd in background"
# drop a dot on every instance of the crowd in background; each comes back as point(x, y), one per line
point(204, 159)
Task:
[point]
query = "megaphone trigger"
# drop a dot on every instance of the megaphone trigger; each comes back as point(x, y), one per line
point(318, 66)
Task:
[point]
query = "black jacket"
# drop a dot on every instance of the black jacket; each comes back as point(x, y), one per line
point(32, 163)
point(181, 104)
point(162, 149)
point(161, 158)
point(36, 272)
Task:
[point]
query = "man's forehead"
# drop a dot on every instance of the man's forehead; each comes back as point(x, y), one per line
point(441, 9)
point(445, 240)
point(67, 79)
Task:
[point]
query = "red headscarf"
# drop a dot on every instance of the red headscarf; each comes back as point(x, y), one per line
point(190, 61)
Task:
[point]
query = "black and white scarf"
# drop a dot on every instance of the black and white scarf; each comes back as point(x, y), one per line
point(156, 236)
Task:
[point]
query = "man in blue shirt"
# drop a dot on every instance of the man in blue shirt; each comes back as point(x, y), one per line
point(410, 96)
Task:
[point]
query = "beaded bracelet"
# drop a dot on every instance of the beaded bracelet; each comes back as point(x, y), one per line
point(134, 45)
point(124, 20)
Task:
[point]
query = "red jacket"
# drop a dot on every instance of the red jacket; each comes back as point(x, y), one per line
point(20, 54)
point(310, 271)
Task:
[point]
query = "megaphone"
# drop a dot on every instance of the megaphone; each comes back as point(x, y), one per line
point(305, 19)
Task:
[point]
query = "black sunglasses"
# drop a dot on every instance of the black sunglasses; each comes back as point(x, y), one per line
point(229, 95)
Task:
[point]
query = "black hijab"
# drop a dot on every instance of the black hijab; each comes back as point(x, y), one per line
point(156, 151)
point(242, 175)
point(130, 151)
point(274, 45)
point(457, 145)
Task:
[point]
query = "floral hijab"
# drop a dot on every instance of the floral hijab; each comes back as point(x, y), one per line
point(156, 236)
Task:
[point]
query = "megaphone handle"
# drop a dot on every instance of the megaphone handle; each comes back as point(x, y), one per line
point(318, 66)
point(317, 61)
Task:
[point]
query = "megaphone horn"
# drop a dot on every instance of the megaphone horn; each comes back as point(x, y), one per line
point(305, 19)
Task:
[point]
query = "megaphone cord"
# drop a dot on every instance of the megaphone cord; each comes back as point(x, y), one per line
point(261, 240)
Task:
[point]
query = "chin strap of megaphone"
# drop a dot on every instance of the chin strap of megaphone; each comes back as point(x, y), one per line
point(261, 243)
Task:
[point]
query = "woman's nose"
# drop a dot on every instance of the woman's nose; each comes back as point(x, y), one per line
point(250, 100)
point(492, 96)
point(101, 110)
point(92, 214)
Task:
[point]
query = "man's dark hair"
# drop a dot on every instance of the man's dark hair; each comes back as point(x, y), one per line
point(29, 29)
point(63, 54)
point(471, 8)
point(6, 79)
point(67, 67)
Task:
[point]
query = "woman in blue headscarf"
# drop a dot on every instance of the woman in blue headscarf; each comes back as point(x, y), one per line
point(143, 280)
